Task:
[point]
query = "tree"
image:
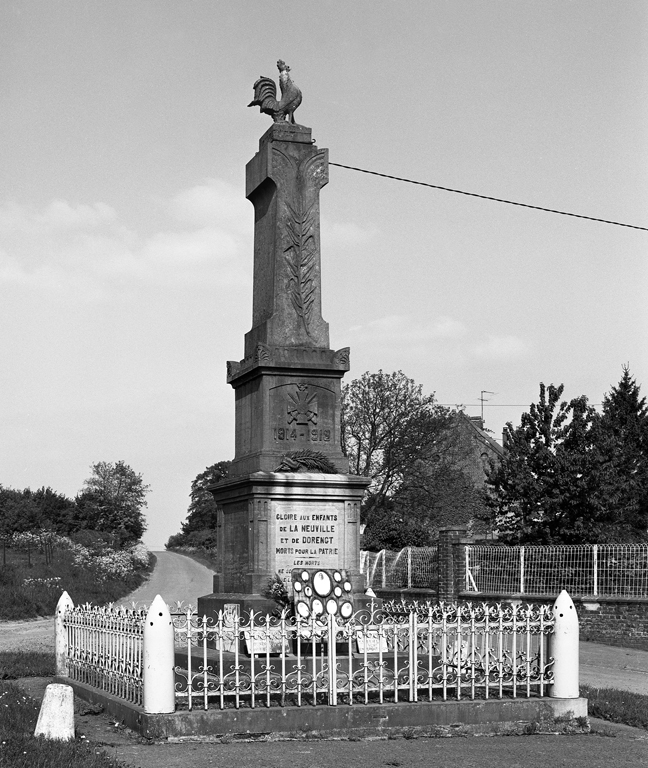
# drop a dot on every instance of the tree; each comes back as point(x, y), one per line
point(199, 529)
point(18, 512)
point(202, 510)
point(554, 484)
point(623, 441)
point(416, 455)
point(57, 511)
point(112, 500)
point(387, 426)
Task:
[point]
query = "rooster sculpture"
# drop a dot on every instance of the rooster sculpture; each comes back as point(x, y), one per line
point(265, 96)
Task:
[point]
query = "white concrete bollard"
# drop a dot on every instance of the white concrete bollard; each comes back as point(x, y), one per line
point(563, 647)
point(56, 716)
point(60, 634)
point(159, 659)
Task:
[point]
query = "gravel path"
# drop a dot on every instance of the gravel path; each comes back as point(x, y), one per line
point(176, 577)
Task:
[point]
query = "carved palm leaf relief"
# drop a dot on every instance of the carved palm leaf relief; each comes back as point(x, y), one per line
point(301, 257)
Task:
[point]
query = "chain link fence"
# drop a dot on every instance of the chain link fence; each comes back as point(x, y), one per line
point(410, 568)
point(597, 570)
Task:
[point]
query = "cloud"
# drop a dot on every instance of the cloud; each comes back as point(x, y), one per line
point(85, 248)
point(340, 233)
point(500, 348)
point(443, 335)
point(404, 328)
point(59, 214)
point(213, 203)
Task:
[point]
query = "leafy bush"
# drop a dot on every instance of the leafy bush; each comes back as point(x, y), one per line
point(175, 541)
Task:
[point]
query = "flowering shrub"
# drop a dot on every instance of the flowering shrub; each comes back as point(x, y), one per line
point(110, 564)
point(53, 582)
point(113, 563)
point(140, 555)
point(31, 583)
point(37, 540)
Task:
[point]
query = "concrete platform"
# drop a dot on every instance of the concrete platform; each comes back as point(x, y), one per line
point(437, 718)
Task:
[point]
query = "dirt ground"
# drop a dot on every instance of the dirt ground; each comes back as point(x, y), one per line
point(607, 745)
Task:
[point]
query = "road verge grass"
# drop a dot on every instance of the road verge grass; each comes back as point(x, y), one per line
point(15, 664)
point(617, 706)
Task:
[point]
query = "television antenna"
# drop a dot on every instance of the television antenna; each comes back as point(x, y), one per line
point(483, 400)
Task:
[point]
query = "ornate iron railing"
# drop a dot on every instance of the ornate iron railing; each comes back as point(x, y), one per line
point(104, 649)
point(396, 653)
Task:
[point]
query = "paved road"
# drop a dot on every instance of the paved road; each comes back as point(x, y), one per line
point(176, 577)
point(603, 666)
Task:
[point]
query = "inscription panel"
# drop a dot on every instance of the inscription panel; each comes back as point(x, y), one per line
point(302, 413)
point(306, 536)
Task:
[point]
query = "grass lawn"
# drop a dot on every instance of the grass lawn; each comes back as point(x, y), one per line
point(31, 587)
point(19, 748)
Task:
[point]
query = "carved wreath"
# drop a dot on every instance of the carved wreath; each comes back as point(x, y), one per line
point(306, 461)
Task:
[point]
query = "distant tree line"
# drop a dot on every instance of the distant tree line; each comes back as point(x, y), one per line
point(110, 506)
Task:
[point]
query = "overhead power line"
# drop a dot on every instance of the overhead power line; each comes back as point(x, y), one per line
point(487, 197)
point(496, 405)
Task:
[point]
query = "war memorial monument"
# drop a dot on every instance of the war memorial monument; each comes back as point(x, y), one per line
point(289, 501)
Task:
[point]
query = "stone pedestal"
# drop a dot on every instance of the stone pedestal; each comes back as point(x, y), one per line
point(272, 522)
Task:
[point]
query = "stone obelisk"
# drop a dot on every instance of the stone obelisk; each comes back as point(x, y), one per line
point(289, 501)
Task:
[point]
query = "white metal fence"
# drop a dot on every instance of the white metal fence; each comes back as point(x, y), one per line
point(615, 570)
point(410, 568)
point(104, 649)
point(401, 652)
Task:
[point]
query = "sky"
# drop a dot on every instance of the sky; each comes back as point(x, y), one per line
point(126, 239)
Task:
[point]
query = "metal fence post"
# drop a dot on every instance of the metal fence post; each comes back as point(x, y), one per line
point(563, 647)
point(595, 568)
point(521, 570)
point(384, 568)
point(159, 660)
point(60, 634)
point(409, 567)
